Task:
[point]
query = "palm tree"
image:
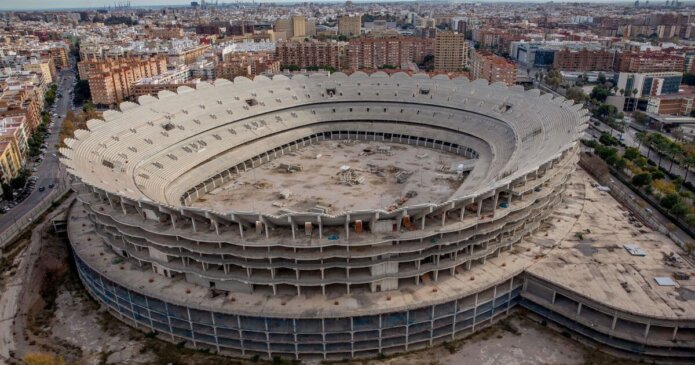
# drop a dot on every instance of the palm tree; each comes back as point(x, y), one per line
point(640, 138)
point(688, 160)
point(675, 152)
point(622, 92)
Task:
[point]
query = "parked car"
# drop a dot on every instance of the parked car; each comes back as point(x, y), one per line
point(42, 188)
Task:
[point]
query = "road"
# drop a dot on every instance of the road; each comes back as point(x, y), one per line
point(630, 140)
point(49, 171)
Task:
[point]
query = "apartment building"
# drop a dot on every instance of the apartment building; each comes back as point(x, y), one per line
point(308, 54)
point(374, 53)
point(670, 105)
point(22, 102)
point(13, 146)
point(649, 62)
point(164, 32)
point(493, 68)
point(169, 80)
point(450, 52)
point(296, 27)
point(350, 25)
point(112, 81)
point(45, 67)
point(583, 60)
point(187, 55)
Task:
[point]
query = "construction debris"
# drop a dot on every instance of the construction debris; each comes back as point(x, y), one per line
point(262, 184)
point(285, 194)
point(349, 176)
point(384, 150)
point(290, 168)
point(402, 176)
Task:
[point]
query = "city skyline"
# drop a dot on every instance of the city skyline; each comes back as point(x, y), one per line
point(38, 5)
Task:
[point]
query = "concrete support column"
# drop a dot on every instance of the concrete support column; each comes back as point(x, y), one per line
point(320, 228)
point(675, 332)
point(480, 207)
point(347, 226)
point(579, 309)
point(615, 320)
point(494, 207)
point(475, 311)
point(509, 295)
point(646, 330)
point(294, 333)
point(216, 225)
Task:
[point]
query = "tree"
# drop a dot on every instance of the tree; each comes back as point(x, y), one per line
point(606, 112)
point(82, 92)
point(599, 93)
point(608, 140)
point(6, 191)
point(664, 187)
point(690, 220)
point(670, 200)
point(20, 180)
point(631, 153)
point(658, 175)
point(553, 79)
point(88, 106)
point(680, 210)
point(576, 94)
point(601, 79)
point(640, 118)
point(674, 152)
point(642, 179)
point(688, 161)
point(620, 164)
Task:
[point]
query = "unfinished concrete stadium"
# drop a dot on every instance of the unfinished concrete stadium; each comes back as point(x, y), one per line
point(337, 217)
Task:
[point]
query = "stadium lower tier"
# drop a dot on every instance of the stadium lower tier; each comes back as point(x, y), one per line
point(362, 324)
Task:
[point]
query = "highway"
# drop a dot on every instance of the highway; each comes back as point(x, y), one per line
point(49, 171)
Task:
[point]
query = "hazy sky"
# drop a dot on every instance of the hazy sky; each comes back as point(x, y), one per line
point(54, 4)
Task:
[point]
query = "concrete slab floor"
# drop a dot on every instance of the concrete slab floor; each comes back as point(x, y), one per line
point(433, 178)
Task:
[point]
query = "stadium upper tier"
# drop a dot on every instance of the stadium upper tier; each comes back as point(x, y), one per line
point(164, 149)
